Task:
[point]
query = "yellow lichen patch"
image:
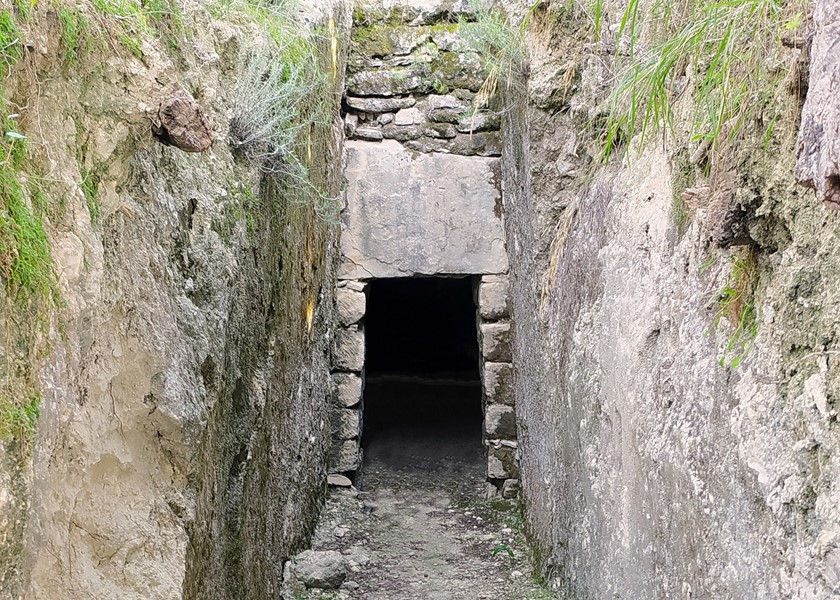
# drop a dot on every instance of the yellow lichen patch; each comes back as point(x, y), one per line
point(310, 311)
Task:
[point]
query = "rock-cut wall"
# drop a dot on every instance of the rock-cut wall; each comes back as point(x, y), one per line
point(185, 391)
point(653, 464)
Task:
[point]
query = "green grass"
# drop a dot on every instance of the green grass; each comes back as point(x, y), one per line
point(10, 42)
point(90, 189)
point(19, 417)
point(733, 49)
point(736, 305)
point(74, 31)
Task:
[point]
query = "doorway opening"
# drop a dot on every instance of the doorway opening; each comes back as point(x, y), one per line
point(422, 397)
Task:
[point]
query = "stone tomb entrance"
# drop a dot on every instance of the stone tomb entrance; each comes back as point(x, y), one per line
point(422, 305)
point(422, 396)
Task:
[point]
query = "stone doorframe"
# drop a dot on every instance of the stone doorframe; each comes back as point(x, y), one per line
point(496, 371)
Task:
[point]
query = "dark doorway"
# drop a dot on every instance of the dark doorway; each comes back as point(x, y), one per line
point(422, 396)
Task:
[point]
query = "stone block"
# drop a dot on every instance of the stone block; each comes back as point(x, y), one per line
point(510, 489)
point(351, 306)
point(371, 134)
point(408, 116)
point(349, 350)
point(380, 105)
point(346, 424)
point(446, 224)
point(479, 122)
point(502, 463)
point(322, 569)
point(345, 456)
point(498, 383)
point(347, 389)
point(493, 300)
point(495, 342)
point(500, 422)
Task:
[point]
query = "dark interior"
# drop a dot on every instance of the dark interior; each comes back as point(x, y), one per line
point(422, 393)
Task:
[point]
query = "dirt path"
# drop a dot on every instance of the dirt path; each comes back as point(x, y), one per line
point(419, 534)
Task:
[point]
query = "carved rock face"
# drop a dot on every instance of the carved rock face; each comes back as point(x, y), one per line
point(183, 124)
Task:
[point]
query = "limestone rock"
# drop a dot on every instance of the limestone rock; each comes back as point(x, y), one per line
point(510, 489)
point(345, 457)
point(498, 383)
point(351, 306)
point(408, 116)
point(347, 424)
point(338, 480)
point(349, 350)
point(495, 341)
point(380, 105)
point(347, 389)
point(447, 224)
point(323, 569)
point(183, 123)
point(500, 422)
point(502, 463)
point(384, 83)
point(818, 144)
point(493, 300)
point(479, 122)
point(372, 134)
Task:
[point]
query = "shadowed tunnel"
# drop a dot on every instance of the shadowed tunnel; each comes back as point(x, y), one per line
point(422, 387)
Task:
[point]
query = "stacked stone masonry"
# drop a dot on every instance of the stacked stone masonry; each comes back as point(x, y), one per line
point(348, 364)
point(423, 199)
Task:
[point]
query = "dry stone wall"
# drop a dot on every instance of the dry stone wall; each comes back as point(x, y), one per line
point(423, 199)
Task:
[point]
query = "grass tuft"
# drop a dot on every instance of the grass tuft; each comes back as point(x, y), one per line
point(727, 55)
point(736, 304)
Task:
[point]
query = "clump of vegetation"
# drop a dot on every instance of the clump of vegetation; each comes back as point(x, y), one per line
point(725, 54)
point(736, 304)
point(90, 188)
point(501, 47)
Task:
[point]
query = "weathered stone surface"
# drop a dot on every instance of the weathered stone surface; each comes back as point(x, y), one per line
point(384, 83)
point(380, 105)
point(351, 122)
point(350, 305)
point(183, 123)
point(476, 144)
point(408, 116)
point(349, 350)
point(495, 342)
point(445, 131)
point(401, 134)
point(510, 489)
point(406, 214)
point(499, 422)
point(502, 463)
point(818, 163)
point(493, 300)
point(372, 134)
point(438, 102)
point(345, 456)
point(479, 122)
point(347, 389)
point(498, 383)
point(347, 424)
point(337, 480)
point(385, 118)
point(322, 569)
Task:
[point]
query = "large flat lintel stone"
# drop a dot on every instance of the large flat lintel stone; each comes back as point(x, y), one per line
point(420, 214)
